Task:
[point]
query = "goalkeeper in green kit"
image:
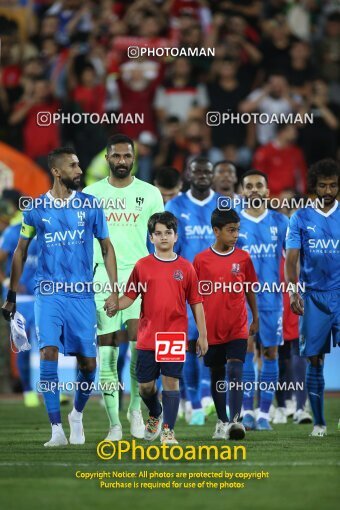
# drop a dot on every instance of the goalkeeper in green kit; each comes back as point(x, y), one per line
point(128, 204)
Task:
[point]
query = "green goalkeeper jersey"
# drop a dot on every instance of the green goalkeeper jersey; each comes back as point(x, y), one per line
point(127, 211)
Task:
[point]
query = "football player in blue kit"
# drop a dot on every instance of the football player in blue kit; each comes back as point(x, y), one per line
point(64, 223)
point(313, 243)
point(262, 234)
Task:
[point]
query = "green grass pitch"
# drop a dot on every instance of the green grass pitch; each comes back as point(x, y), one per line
point(304, 472)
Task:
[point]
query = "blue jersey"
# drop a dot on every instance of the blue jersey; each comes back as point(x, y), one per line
point(8, 243)
point(317, 235)
point(195, 233)
point(65, 238)
point(264, 239)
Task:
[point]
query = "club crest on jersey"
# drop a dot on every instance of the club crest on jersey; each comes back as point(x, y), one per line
point(235, 268)
point(273, 231)
point(139, 203)
point(81, 218)
point(178, 275)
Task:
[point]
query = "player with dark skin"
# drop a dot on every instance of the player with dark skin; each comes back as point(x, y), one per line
point(225, 178)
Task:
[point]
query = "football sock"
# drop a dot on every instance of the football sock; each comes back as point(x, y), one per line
point(281, 395)
point(235, 393)
point(182, 390)
point(249, 378)
point(134, 389)
point(85, 380)
point(315, 387)
point(153, 404)
point(219, 397)
point(170, 400)
point(23, 364)
point(48, 375)
point(192, 379)
point(269, 375)
point(299, 369)
point(108, 376)
point(205, 382)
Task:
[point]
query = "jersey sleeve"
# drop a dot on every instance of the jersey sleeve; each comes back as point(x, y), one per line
point(28, 228)
point(293, 239)
point(283, 234)
point(8, 242)
point(100, 228)
point(192, 294)
point(250, 272)
point(133, 284)
point(157, 204)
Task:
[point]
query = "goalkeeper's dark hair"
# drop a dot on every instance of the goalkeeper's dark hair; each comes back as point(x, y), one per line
point(119, 138)
point(323, 168)
point(164, 218)
point(221, 218)
point(53, 156)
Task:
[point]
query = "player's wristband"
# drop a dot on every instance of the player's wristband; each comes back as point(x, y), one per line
point(294, 289)
point(11, 296)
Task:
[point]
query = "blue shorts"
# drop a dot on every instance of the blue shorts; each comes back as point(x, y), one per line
point(148, 369)
point(68, 323)
point(320, 323)
point(218, 354)
point(270, 333)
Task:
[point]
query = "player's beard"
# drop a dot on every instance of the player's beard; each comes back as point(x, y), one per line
point(121, 171)
point(71, 183)
point(327, 199)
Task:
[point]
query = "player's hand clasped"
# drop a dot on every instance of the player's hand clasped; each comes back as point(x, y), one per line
point(296, 304)
point(111, 305)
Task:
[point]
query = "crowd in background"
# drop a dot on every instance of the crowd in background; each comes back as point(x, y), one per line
point(273, 56)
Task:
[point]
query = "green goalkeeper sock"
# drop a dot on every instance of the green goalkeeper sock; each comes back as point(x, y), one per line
point(108, 375)
point(135, 399)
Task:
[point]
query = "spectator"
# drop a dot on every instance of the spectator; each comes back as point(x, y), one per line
point(40, 134)
point(283, 162)
point(274, 98)
point(320, 139)
point(180, 93)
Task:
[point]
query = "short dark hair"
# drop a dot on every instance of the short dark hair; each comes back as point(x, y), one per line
point(221, 218)
point(224, 162)
point(199, 159)
point(54, 155)
point(254, 172)
point(167, 177)
point(325, 168)
point(119, 138)
point(165, 218)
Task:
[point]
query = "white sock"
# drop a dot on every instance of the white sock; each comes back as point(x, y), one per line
point(263, 415)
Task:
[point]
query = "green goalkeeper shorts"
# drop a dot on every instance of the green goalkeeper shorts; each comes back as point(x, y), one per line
point(107, 324)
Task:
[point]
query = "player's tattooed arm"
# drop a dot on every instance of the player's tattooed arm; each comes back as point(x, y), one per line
point(202, 342)
point(292, 276)
point(109, 256)
point(251, 299)
point(19, 257)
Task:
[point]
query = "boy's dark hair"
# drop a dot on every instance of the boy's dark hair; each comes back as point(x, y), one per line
point(325, 168)
point(165, 218)
point(53, 156)
point(254, 172)
point(167, 177)
point(119, 138)
point(221, 218)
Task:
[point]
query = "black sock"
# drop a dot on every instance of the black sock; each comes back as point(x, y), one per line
point(235, 391)
point(153, 404)
point(219, 397)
